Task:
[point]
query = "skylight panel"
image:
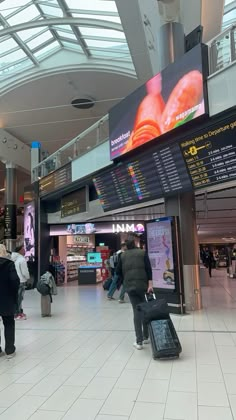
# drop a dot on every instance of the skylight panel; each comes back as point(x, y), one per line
point(103, 32)
point(98, 5)
point(39, 40)
point(25, 15)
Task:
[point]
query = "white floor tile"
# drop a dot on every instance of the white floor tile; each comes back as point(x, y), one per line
point(12, 393)
point(111, 369)
point(150, 411)
point(215, 413)
point(81, 377)
point(183, 382)
point(209, 373)
point(23, 408)
point(223, 339)
point(63, 398)
point(230, 382)
point(232, 400)
point(120, 402)
point(48, 386)
point(47, 415)
point(130, 379)
point(104, 417)
point(99, 388)
point(159, 370)
point(84, 409)
point(181, 406)
point(153, 391)
point(212, 395)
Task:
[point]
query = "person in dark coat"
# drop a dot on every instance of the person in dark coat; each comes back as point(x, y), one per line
point(135, 269)
point(9, 285)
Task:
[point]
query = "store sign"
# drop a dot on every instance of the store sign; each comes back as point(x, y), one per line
point(91, 228)
point(126, 227)
point(10, 231)
point(81, 239)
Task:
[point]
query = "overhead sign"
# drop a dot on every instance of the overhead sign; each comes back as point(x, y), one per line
point(74, 203)
point(210, 155)
point(55, 180)
point(10, 221)
point(127, 227)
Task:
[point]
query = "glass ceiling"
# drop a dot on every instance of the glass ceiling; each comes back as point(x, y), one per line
point(31, 30)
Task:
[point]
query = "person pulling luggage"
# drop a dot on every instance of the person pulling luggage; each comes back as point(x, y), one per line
point(135, 268)
point(47, 288)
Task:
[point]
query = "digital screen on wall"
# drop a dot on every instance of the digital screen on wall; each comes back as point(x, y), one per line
point(74, 203)
point(29, 231)
point(160, 252)
point(168, 100)
point(82, 229)
point(210, 155)
point(157, 173)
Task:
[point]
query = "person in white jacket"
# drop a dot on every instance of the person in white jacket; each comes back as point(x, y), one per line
point(23, 274)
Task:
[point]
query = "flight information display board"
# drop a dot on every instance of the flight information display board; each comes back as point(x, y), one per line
point(55, 180)
point(158, 173)
point(211, 155)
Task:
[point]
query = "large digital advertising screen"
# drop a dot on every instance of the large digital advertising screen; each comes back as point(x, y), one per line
point(167, 101)
point(160, 251)
point(29, 231)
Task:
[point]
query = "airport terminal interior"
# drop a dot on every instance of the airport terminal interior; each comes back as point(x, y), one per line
point(117, 178)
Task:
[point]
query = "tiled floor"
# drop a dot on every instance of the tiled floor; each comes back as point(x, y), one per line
point(80, 364)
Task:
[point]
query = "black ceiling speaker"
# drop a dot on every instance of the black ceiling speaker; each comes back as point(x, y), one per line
point(83, 103)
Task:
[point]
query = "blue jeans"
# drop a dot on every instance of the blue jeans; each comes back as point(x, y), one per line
point(113, 286)
point(122, 293)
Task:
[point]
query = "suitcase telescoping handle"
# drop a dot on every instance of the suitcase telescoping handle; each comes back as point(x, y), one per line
point(147, 296)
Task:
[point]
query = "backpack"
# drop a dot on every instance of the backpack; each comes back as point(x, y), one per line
point(42, 285)
point(115, 259)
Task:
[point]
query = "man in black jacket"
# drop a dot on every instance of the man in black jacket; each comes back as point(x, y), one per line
point(135, 269)
point(9, 284)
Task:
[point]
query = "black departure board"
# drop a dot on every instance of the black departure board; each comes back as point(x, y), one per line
point(211, 155)
point(55, 180)
point(74, 203)
point(158, 173)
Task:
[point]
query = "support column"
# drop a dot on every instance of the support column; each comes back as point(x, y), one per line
point(172, 47)
point(183, 206)
point(10, 219)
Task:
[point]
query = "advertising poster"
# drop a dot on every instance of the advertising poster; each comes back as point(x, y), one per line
point(29, 231)
point(160, 251)
point(168, 100)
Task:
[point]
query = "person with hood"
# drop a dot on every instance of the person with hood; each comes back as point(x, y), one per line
point(47, 288)
point(23, 274)
point(9, 284)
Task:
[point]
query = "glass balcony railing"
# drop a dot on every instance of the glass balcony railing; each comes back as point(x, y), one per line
point(222, 50)
point(80, 145)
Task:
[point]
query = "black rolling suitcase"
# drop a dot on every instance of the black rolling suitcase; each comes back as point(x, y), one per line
point(164, 339)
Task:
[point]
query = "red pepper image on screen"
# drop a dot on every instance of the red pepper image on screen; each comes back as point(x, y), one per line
point(147, 125)
point(186, 95)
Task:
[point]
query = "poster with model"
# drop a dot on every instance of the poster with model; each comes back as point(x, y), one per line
point(160, 251)
point(168, 100)
point(29, 231)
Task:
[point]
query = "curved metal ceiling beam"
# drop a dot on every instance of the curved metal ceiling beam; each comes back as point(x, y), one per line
point(93, 23)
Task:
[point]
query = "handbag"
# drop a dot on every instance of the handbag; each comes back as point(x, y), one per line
point(153, 309)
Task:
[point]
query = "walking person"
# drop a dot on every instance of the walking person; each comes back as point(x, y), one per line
point(135, 268)
point(24, 276)
point(9, 284)
point(209, 260)
point(114, 260)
